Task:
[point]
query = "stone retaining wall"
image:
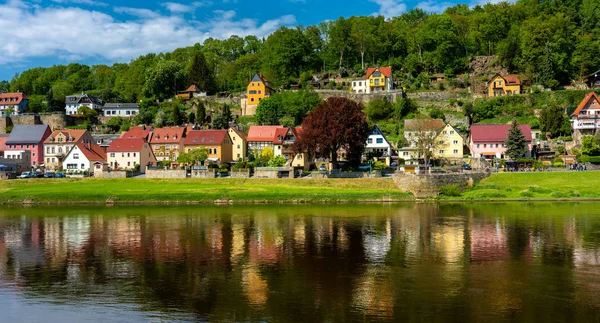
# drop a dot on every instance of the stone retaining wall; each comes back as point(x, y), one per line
point(112, 174)
point(240, 173)
point(429, 185)
point(162, 173)
point(55, 121)
point(204, 173)
point(274, 172)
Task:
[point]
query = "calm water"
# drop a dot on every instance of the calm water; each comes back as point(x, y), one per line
point(484, 262)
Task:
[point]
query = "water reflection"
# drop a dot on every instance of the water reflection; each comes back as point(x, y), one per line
point(421, 262)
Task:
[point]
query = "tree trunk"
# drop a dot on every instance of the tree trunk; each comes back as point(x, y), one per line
point(334, 158)
point(362, 59)
point(341, 58)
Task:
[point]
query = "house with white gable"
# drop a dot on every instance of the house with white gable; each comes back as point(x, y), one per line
point(74, 102)
point(82, 156)
point(377, 145)
point(585, 120)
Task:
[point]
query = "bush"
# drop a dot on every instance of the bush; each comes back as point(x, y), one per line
point(526, 194)
point(136, 167)
point(537, 189)
point(379, 165)
point(486, 194)
point(450, 190)
point(213, 166)
point(590, 159)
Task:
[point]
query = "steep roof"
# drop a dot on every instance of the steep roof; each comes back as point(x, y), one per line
point(586, 100)
point(426, 124)
point(205, 137)
point(258, 77)
point(126, 145)
point(79, 97)
point(265, 133)
point(386, 71)
point(167, 135)
point(121, 105)
point(92, 152)
point(240, 133)
point(3, 138)
point(12, 98)
point(496, 132)
point(28, 134)
point(75, 134)
point(509, 79)
point(192, 88)
point(142, 132)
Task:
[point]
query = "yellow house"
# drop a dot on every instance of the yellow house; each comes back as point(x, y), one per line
point(123, 154)
point(379, 79)
point(258, 89)
point(239, 144)
point(452, 147)
point(503, 85)
point(217, 142)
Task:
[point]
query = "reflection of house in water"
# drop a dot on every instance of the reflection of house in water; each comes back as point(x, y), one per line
point(374, 295)
point(488, 243)
point(377, 244)
point(255, 286)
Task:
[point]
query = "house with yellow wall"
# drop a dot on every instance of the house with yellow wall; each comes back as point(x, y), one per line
point(239, 143)
point(217, 142)
point(452, 147)
point(258, 89)
point(379, 79)
point(503, 85)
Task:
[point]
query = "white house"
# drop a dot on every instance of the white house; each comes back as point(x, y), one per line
point(585, 120)
point(74, 102)
point(360, 86)
point(377, 144)
point(82, 157)
point(121, 109)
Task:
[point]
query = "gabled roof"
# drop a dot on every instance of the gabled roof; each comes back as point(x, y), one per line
point(496, 132)
point(240, 133)
point(167, 135)
point(205, 137)
point(3, 138)
point(265, 133)
point(258, 77)
point(425, 124)
point(121, 105)
point(377, 131)
point(586, 100)
point(126, 145)
point(509, 79)
point(142, 132)
point(192, 88)
point(92, 152)
point(28, 134)
point(386, 71)
point(75, 134)
point(12, 98)
point(94, 99)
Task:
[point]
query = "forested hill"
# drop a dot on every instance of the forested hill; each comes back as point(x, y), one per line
point(547, 42)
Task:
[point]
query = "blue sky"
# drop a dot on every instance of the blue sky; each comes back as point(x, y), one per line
point(47, 32)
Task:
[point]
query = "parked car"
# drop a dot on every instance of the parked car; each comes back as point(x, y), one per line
point(49, 175)
point(59, 175)
point(26, 175)
point(466, 167)
point(38, 175)
point(322, 168)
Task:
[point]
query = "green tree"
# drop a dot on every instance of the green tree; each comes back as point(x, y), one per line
point(552, 120)
point(199, 73)
point(278, 161)
point(516, 145)
point(268, 112)
point(589, 146)
point(163, 80)
point(379, 109)
point(223, 118)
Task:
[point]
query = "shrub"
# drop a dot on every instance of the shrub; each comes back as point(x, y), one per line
point(379, 165)
point(213, 166)
point(508, 189)
point(450, 190)
point(136, 167)
point(486, 194)
point(526, 194)
point(590, 159)
point(537, 189)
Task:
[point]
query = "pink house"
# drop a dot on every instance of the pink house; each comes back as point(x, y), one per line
point(29, 138)
point(487, 140)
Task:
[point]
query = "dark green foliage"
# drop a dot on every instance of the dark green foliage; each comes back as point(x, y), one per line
point(515, 143)
point(222, 118)
point(450, 190)
point(199, 73)
point(164, 80)
point(590, 159)
point(379, 109)
point(288, 108)
point(552, 120)
point(589, 146)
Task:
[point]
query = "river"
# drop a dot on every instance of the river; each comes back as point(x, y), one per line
point(474, 262)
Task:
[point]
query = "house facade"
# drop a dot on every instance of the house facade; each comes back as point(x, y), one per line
point(452, 147)
point(125, 110)
point(58, 145)
point(30, 138)
point(500, 85)
point(167, 142)
point(123, 154)
point(217, 142)
point(487, 140)
point(13, 103)
point(239, 143)
point(360, 86)
point(379, 79)
point(293, 158)
point(377, 144)
point(258, 89)
point(74, 102)
point(260, 137)
point(585, 120)
point(138, 132)
point(82, 156)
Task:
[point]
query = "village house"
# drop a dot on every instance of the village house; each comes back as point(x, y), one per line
point(126, 110)
point(487, 140)
point(238, 139)
point(258, 89)
point(500, 85)
point(380, 79)
point(445, 141)
point(585, 120)
point(59, 143)
point(30, 138)
point(74, 102)
point(218, 144)
point(139, 132)
point(292, 157)
point(82, 156)
point(260, 137)
point(191, 92)
point(123, 154)
point(13, 103)
point(377, 144)
point(452, 147)
point(104, 140)
point(167, 142)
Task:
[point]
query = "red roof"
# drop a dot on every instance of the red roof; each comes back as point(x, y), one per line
point(3, 142)
point(588, 97)
point(512, 79)
point(205, 137)
point(126, 145)
point(496, 132)
point(192, 88)
point(92, 152)
point(75, 134)
point(167, 135)
point(266, 133)
point(12, 98)
point(387, 71)
point(137, 132)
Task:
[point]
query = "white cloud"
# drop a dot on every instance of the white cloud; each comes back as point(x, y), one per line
point(390, 8)
point(76, 33)
point(434, 6)
point(86, 2)
point(182, 8)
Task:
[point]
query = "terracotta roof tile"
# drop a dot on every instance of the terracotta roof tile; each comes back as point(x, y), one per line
point(167, 135)
point(92, 152)
point(240, 133)
point(265, 133)
point(75, 134)
point(588, 97)
point(205, 137)
point(137, 132)
point(12, 98)
point(496, 132)
point(126, 145)
point(386, 71)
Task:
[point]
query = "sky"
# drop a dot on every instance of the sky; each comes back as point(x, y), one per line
point(49, 32)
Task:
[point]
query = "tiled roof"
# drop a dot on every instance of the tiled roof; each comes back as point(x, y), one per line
point(423, 124)
point(28, 134)
point(126, 145)
point(240, 133)
point(192, 88)
point(121, 105)
point(137, 132)
point(496, 132)
point(386, 71)
point(94, 99)
point(92, 152)
point(258, 77)
point(265, 133)
point(75, 134)
point(512, 79)
point(205, 137)
point(3, 139)
point(588, 97)
point(12, 98)
point(167, 135)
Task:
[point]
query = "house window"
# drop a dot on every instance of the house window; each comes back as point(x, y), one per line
point(128, 163)
point(370, 141)
point(122, 154)
point(251, 99)
point(477, 145)
point(82, 166)
point(112, 154)
point(455, 151)
point(128, 154)
point(75, 156)
point(451, 132)
point(445, 132)
point(379, 140)
point(455, 142)
point(71, 166)
point(238, 147)
point(496, 145)
point(60, 150)
point(33, 155)
point(441, 151)
point(215, 151)
point(133, 154)
point(484, 145)
point(354, 84)
point(405, 153)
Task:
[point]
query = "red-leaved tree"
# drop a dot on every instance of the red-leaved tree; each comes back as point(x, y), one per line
point(336, 124)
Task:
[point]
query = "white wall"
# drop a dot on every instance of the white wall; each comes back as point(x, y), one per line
point(82, 162)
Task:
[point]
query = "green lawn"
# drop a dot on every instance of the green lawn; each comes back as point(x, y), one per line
point(198, 190)
point(558, 185)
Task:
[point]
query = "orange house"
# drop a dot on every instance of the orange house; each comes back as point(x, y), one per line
point(258, 89)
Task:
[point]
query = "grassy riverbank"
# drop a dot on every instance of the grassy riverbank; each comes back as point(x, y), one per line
point(532, 186)
point(198, 190)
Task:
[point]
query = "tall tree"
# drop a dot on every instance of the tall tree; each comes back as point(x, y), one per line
point(199, 74)
point(552, 120)
point(339, 33)
point(336, 124)
point(268, 112)
point(163, 80)
point(516, 145)
point(222, 119)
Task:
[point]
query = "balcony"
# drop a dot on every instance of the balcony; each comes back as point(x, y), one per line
point(585, 126)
